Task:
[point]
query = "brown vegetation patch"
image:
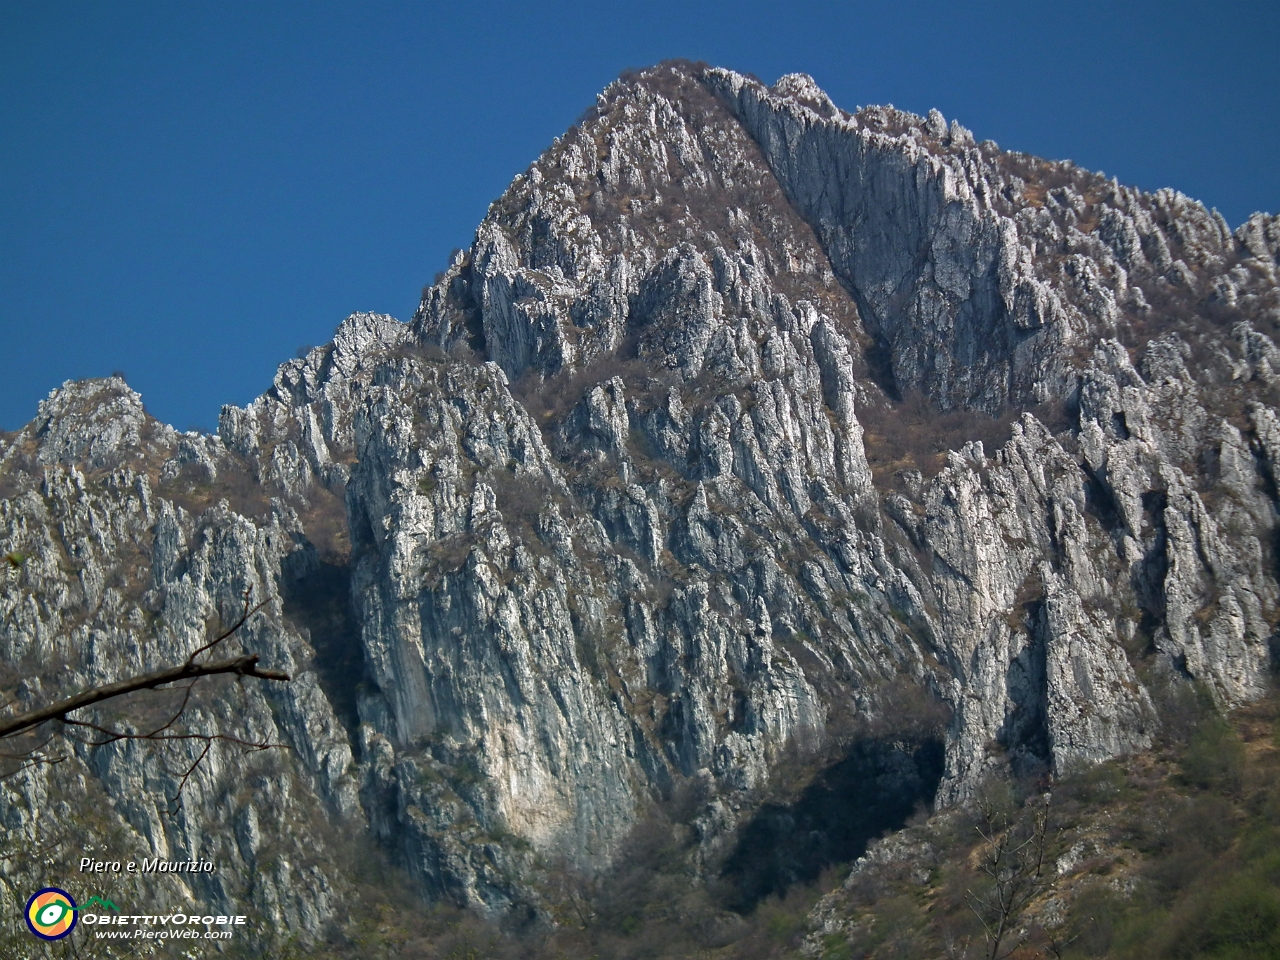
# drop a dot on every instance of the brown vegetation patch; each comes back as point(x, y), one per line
point(914, 434)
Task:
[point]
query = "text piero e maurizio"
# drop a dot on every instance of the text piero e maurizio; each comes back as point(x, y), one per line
point(146, 865)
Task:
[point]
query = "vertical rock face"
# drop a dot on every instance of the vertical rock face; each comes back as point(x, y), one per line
point(643, 494)
point(909, 215)
point(120, 578)
point(480, 639)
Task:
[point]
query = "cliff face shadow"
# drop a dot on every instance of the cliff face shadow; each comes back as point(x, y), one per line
point(874, 790)
point(317, 596)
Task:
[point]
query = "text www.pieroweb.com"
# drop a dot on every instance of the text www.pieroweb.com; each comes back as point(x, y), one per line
point(171, 927)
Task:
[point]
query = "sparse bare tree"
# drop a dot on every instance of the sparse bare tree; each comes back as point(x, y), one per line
point(1016, 847)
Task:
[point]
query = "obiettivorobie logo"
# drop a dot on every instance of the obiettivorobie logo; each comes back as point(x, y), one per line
point(52, 912)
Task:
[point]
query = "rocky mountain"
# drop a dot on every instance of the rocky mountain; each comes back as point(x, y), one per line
point(747, 429)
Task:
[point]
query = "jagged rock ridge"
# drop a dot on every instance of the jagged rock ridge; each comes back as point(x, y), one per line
point(631, 500)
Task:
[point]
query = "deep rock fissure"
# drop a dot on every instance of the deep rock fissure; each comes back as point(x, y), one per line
point(317, 597)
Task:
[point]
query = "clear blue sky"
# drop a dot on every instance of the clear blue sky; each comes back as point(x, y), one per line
point(190, 191)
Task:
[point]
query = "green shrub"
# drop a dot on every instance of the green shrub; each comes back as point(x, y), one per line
point(1215, 757)
point(1241, 919)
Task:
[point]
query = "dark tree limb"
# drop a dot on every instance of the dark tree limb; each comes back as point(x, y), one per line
point(242, 666)
point(244, 618)
point(190, 671)
point(245, 666)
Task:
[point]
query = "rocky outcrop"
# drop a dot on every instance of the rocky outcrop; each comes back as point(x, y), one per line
point(642, 498)
point(300, 432)
point(120, 578)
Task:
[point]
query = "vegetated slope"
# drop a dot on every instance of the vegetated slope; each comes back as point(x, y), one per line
point(748, 436)
point(1169, 854)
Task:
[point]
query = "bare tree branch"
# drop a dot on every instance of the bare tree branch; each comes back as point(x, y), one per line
point(159, 734)
point(245, 666)
point(244, 618)
point(27, 754)
point(114, 735)
point(190, 671)
point(176, 799)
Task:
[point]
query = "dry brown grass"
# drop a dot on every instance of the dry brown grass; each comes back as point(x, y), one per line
point(914, 435)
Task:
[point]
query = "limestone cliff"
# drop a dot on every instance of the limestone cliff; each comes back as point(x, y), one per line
point(740, 413)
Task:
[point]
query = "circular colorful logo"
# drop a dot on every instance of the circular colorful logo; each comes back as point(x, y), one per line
point(51, 913)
